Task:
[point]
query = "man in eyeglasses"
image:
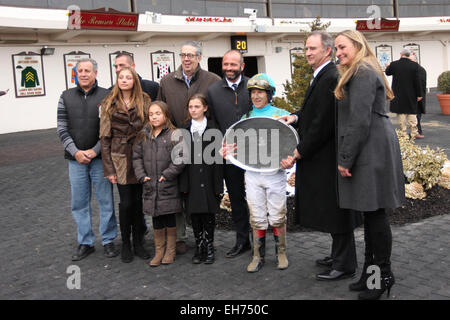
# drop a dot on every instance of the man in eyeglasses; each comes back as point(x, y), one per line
point(175, 89)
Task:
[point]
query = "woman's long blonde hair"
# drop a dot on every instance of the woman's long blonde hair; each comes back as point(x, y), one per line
point(363, 56)
point(137, 96)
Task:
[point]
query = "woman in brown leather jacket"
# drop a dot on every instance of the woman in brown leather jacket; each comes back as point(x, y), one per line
point(122, 116)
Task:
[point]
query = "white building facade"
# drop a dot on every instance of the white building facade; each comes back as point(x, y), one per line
point(270, 42)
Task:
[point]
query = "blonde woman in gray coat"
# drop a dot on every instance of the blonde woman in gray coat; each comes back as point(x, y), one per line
point(370, 169)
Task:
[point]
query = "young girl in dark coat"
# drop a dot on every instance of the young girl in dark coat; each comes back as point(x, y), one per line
point(157, 166)
point(202, 179)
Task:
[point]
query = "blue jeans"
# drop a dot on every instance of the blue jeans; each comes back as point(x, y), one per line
point(81, 176)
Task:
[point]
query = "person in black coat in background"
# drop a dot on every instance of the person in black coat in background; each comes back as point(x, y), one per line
point(316, 174)
point(406, 88)
point(423, 90)
point(202, 178)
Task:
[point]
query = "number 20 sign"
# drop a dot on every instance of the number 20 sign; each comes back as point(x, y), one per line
point(239, 43)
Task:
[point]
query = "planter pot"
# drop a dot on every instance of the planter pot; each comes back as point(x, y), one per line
point(444, 101)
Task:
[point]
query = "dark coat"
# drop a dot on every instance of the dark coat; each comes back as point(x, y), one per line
point(150, 87)
point(368, 146)
point(152, 158)
point(226, 105)
point(117, 135)
point(174, 91)
point(81, 117)
point(406, 86)
point(423, 89)
point(202, 182)
point(316, 174)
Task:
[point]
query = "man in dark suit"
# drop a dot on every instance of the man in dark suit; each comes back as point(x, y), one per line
point(315, 181)
point(406, 87)
point(228, 102)
point(423, 91)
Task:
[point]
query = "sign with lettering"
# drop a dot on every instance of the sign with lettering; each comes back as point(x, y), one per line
point(208, 19)
point(239, 43)
point(70, 62)
point(28, 74)
point(101, 19)
point(383, 25)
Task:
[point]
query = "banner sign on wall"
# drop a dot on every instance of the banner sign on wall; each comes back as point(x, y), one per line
point(384, 54)
point(381, 25)
point(70, 62)
point(102, 19)
point(163, 63)
point(112, 58)
point(28, 74)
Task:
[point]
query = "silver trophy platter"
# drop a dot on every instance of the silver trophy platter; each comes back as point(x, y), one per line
point(262, 142)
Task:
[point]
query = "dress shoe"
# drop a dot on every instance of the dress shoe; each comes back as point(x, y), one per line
point(334, 275)
point(237, 250)
point(126, 253)
point(109, 250)
point(181, 247)
point(419, 136)
point(325, 262)
point(82, 252)
point(140, 252)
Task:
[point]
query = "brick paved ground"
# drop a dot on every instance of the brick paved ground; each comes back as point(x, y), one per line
point(38, 237)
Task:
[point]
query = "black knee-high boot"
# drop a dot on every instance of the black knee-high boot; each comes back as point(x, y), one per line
point(125, 231)
point(138, 227)
point(197, 227)
point(361, 284)
point(380, 235)
point(209, 222)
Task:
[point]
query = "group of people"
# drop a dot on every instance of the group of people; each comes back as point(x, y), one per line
point(349, 168)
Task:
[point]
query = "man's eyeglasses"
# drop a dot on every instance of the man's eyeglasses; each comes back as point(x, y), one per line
point(188, 55)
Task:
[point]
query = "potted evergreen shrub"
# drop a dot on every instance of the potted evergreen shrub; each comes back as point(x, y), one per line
point(444, 87)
